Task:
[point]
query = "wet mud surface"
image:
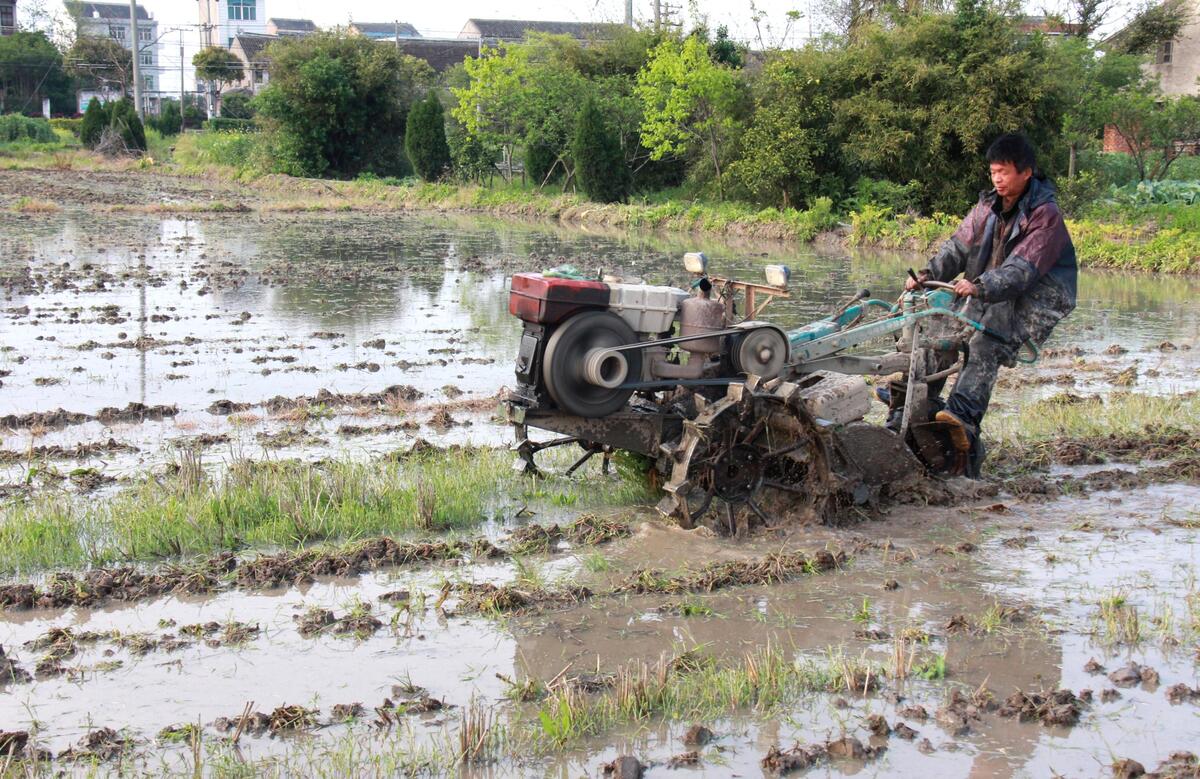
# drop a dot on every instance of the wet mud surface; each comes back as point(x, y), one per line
point(294, 335)
point(1044, 623)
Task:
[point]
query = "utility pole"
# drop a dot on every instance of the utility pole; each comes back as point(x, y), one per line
point(182, 119)
point(629, 13)
point(397, 23)
point(137, 68)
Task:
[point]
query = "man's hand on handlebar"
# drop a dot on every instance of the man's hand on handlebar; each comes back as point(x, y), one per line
point(965, 289)
point(912, 283)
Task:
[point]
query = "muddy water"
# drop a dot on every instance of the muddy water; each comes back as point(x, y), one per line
point(99, 312)
point(246, 308)
point(1082, 552)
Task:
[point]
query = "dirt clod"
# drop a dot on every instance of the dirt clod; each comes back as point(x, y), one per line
point(1178, 693)
point(1127, 675)
point(905, 732)
point(344, 712)
point(684, 760)
point(10, 672)
point(1058, 707)
point(878, 725)
point(624, 767)
point(697, 736)
point(1128, 769)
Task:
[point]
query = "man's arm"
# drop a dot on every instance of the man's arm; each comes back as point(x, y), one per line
point(951, 259)
point(1040, 247)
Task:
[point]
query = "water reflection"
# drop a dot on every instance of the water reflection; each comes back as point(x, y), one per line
point(227, 296)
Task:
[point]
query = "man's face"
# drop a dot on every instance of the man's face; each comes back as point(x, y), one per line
point(1008, 181)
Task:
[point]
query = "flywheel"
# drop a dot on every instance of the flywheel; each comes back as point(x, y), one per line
point(751, 457)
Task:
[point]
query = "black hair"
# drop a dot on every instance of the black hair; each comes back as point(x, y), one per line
point(1014, 148)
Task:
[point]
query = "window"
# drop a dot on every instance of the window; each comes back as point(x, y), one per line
point(145, 34)
point(148, 83)
point(1165, 50)
point(6, 17)
point(258, 75)
point(146, 58)
point(116, 32)
point(242, 10)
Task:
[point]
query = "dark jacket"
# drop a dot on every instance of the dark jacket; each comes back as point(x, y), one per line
point(1037, 246)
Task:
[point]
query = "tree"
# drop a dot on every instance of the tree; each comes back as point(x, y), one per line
point(1087, 15)
point(688, 103)
point(425, 139)
point(724, 50)
point(95, 119)
point(490, 106)
point(218, 66)
point(599, 161)
point(169, 120)
point(791, 149)
point(1155, 22)
point(1085, 80)
point(336, 105)
point(124, 121)
point(1153, 126)
point(100, 64)
point(925, 99)
point(237, 105)
point(31, 68)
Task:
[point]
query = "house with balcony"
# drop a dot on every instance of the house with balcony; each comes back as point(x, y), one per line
point(8, 17)
point(111, 20)
point(222, 20)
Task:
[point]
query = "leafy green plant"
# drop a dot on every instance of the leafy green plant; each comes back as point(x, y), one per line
point(425, 139)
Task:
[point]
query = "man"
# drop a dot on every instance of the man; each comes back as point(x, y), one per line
point(1018, 272)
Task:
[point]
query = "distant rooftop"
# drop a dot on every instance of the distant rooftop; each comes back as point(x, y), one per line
point(516, 29)
point(441, 54)
point(385, 29)
point(252, 45)
point(109, 11)
point(293, 26)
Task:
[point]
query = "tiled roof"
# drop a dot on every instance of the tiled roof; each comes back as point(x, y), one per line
point(516, 29)
point(110, 11)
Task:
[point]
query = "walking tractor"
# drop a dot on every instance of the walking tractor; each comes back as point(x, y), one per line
point(745, 423)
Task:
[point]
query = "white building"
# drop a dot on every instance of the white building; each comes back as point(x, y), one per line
point(111, 20)
point(223, 20)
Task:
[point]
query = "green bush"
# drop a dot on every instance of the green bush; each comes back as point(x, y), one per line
point(1076, 195)
point(169, 119)
point(599, 160)
point(425, 139)
point(220, 124)
point(540, 157)
point(95, 119)
point(124, 120)
point(337, 105)
point(73, 126)
point(237, 105)
point(897, 198)
point(15, 127)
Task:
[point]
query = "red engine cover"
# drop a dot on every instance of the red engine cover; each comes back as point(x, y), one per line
point(536, 298)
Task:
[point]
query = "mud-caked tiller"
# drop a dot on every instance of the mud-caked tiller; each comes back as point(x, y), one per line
point(745, 423)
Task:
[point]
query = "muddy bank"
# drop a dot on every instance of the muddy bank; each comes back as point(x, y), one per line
point(127, 584)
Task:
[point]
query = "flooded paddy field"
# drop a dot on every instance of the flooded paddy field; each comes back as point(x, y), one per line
point(163, 375)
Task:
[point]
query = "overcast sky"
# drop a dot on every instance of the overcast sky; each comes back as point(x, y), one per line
point(446, 18)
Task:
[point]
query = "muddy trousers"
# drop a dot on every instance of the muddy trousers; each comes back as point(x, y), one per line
point(973, 390)
point(1031, 317)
